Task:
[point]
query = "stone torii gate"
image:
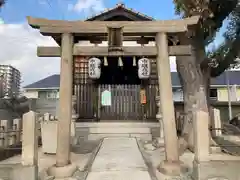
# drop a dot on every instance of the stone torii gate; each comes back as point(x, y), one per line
point(67, 33)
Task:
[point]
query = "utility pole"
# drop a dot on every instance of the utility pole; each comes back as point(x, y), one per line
point(229, 96)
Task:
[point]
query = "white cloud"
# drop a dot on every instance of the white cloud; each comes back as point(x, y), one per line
point(19, 48)
point(87, 6)
point(42, 2)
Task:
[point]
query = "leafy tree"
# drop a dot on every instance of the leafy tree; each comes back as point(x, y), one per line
point(194, 71)
point(228, 53)
point(2, 2)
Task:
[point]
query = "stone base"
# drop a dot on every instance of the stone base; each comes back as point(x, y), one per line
point(222, 170)
point(172, 168)
point(161, 176)
point(62, 172)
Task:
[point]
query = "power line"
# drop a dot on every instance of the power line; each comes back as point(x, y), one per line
point(49, 4)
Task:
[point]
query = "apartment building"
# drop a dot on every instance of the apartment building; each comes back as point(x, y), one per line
point(10, 80)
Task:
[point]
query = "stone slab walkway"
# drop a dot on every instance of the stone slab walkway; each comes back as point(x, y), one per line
point(119, 159)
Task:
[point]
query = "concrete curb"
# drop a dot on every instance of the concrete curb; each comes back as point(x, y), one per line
point(88, 167)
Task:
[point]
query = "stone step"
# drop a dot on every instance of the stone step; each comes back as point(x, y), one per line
point(145, 137)
point(119, 130)
point(117, 124)
point(95, 131)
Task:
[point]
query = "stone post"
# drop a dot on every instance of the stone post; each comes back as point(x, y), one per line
point(12, 136)
point(74, 118)
point(46, 116)
point(29, 148)
point(74, 111)
point(1, 135)
point(171, 165)
point(29, 139)
point(216, 123)
point(5, 132)
point(159, 116)
point(18, 126)
point(201, 136)
point(65, 102)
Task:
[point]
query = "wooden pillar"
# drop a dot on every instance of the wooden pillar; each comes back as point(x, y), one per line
point(65, 102)
point(167, 107)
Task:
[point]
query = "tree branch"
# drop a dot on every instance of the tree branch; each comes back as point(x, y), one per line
point(226, 60)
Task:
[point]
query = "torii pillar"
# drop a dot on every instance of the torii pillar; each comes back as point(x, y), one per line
point(63, 167)
point(171, 165)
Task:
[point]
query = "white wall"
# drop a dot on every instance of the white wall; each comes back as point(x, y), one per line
point(34, 93)
point(31, 93)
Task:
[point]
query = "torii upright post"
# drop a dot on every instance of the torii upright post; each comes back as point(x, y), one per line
point(63, 167)
point(65, 102)
point(171, 165)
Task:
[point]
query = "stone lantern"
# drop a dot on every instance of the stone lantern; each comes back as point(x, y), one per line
point(159, 116)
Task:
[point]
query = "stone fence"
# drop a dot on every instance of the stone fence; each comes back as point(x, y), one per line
point(11, 130)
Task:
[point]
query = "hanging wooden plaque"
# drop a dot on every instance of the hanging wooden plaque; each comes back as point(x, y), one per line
point(143, 97)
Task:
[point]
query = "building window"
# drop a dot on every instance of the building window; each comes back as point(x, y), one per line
point(213, 94)
point(51, 94)
point(42, 94)
point(48, 94)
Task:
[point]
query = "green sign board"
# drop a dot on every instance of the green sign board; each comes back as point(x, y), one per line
point(106, 98)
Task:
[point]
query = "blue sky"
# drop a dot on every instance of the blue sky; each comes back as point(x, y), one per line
point(19, 42)
point(16, 10)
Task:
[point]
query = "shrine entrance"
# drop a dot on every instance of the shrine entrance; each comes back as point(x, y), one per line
point(120, 78)
point(141, 29)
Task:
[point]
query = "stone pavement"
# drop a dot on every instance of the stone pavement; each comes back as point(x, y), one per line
point(118, 159)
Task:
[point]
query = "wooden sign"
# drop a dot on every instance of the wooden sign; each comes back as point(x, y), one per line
point(143, 97)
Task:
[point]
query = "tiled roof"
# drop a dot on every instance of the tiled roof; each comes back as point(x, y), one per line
point(233, 77)
point(120, 6)
point(54, 80)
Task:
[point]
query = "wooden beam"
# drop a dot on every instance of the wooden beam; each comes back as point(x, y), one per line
point(148, 51)
point(98, 29)
point(38, 22)
point(104, 38)
point(44, 51)
point(51, 27)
